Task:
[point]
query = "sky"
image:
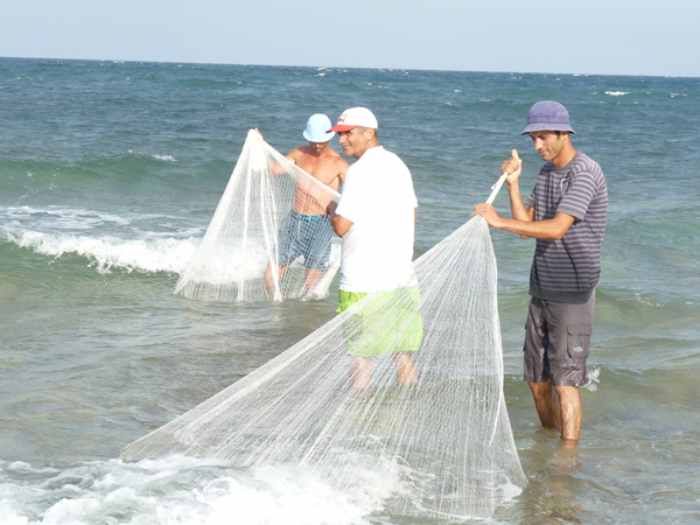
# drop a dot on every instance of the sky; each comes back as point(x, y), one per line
point(594, 37)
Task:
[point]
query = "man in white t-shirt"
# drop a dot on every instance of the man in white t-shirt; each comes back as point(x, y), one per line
point(376, 219)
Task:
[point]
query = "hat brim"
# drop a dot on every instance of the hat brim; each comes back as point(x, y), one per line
point(543, 126)
point(342, 128)
point(318, 139)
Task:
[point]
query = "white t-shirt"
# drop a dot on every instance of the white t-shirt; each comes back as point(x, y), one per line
point(379, 199)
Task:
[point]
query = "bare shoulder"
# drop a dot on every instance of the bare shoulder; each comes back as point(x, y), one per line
point(342, 164)
point(335, 157)
point(295, 153)
point(340, 167)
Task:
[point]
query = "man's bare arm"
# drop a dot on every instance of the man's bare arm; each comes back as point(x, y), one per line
point(514, 168)
point(278, 169)
point(548, 229)
point(293, 155)
point(342, 170)
point(340, 224)
point(517, 207)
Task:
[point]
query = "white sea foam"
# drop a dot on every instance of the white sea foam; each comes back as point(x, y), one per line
point(22, 467)
point(593, 379)
point(157, 156)
point(137, 242)
point(165, 158)
point(617, 93)
point(180, 490)
point(10, 515)
point(648, 300)
point(108, 253)
point(60, 217)
point(63, 219)
point(224, 265)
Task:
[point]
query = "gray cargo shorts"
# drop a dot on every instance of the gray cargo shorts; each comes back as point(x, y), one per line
point(557, 342)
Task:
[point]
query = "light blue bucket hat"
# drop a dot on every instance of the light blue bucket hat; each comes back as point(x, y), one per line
point(317, 128)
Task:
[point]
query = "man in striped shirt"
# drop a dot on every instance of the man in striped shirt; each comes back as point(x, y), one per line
point(567, 215)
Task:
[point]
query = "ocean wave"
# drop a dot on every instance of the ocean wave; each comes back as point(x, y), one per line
point(182, 490)
point(165, 158)
point(617, 93)
point(61, 217)
point(109, 253)
point(156, 156)
point(148, 169)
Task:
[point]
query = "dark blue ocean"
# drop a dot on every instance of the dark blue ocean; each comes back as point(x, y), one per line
point(109, 175)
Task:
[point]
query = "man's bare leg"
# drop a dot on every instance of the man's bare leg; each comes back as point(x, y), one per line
point(555, 407)
point(559, 407)
point(542, 396)
point(313, 276)
point(405, 369)
point(270, 285)
point(361, 373)
point(570, 410)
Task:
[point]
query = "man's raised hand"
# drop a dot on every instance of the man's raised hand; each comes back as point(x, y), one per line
point(513, 167)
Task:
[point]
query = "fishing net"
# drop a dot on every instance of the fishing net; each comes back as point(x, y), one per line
point(269, 238)
point(409, 379)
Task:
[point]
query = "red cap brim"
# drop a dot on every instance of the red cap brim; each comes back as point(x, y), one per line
point(342, 128)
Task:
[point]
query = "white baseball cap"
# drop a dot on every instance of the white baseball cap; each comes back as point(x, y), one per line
point(357, 117)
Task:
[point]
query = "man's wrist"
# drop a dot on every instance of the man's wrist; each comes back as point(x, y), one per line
point(497, 222)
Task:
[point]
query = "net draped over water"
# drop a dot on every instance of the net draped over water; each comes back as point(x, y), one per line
point(269, 238)
point(432, 405)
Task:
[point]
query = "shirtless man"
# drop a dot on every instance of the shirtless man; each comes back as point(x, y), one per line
point(307, 231)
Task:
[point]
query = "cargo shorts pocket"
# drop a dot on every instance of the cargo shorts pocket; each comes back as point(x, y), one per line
point(578, 342)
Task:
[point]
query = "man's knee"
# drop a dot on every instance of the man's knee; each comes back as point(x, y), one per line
point(568, 394)
point(540, 390)
point(401, 357)
point(564, 390)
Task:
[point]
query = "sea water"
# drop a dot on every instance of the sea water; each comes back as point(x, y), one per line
point(109, 175)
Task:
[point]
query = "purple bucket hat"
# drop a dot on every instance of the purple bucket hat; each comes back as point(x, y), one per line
point(547, 115)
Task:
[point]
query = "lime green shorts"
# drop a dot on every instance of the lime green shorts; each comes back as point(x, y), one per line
point(387, 322)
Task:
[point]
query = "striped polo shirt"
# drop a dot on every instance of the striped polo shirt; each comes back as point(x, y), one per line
point(567, 270)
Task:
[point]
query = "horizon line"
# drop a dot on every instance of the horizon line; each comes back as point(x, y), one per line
point(325, 66)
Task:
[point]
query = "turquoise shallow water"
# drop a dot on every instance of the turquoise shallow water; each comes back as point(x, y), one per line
point(109, 173)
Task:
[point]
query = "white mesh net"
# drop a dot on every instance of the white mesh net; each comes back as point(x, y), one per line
point(269, 238)
point(410, 379)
